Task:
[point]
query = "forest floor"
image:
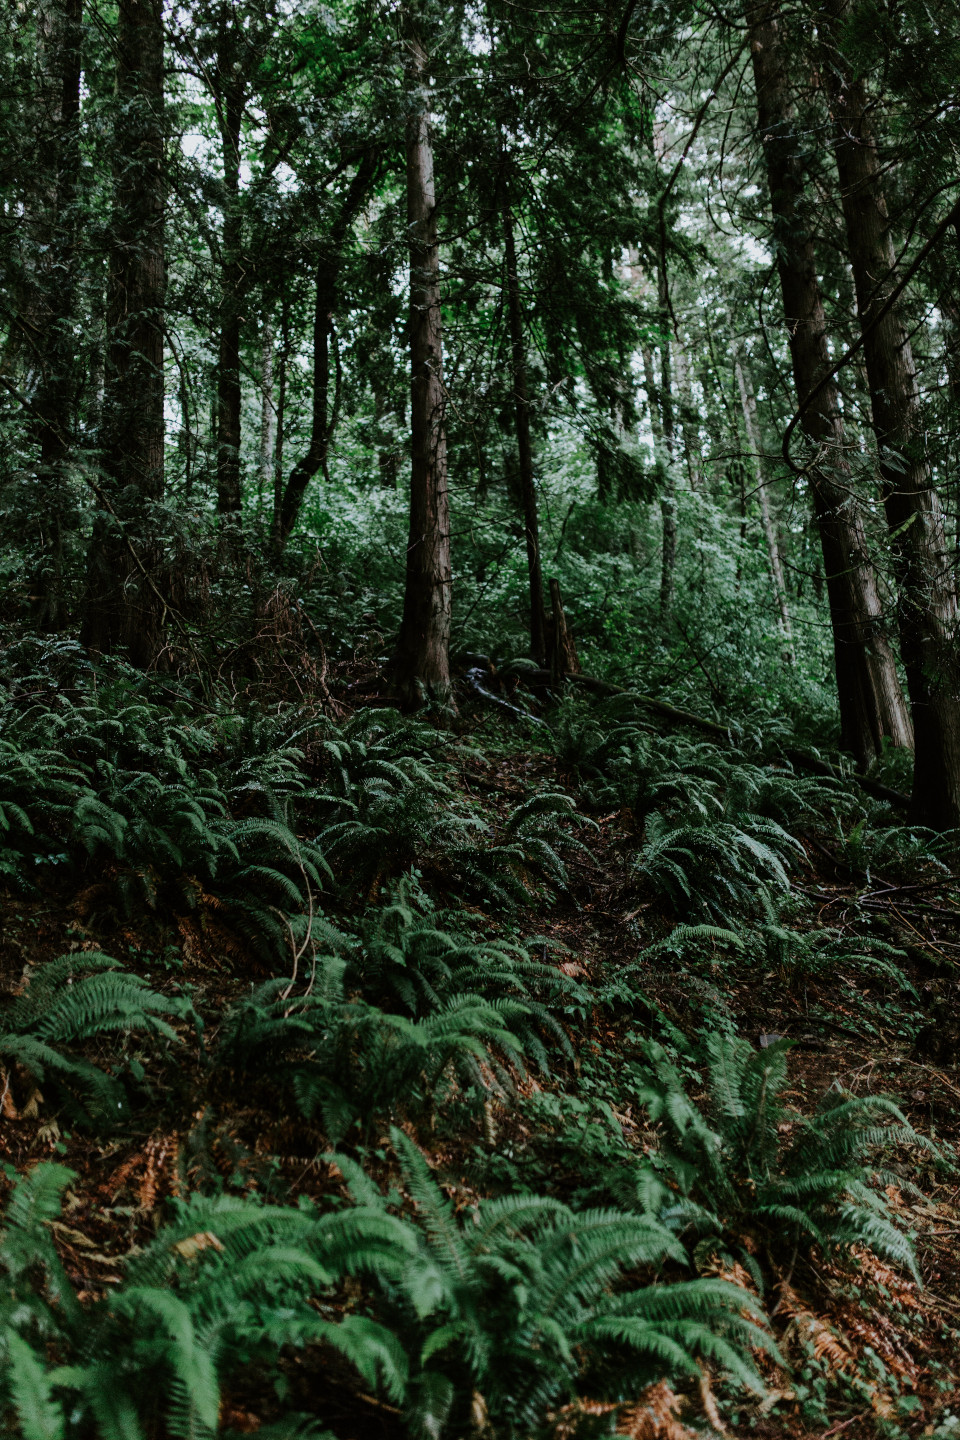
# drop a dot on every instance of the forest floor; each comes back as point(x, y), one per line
point(871, 1352)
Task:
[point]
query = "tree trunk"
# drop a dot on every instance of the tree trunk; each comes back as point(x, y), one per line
point(927, 610)
point(871, 703)
point(315, 457)
point(229, 395)
point(748, 404)
point(123, 606)
point(281, 417)
point(668, 499)
point(422, 660)
point(688, 422)
point(521, 397)
point(268, 411)
point(323, 420)
point(50, 221)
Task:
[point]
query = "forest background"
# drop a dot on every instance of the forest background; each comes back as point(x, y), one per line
point(480, 717)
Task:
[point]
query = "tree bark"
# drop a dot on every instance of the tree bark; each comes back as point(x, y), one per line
point(49, 301)
point(323, 419)
point(229, 395)
point(268, 410)
point(521, 398)
point(281, 415)
point(668, 499)
point(663, 454)
point(927, 609)
point(748, 404)
point(871, 703)
point(315, 456)
point(123, 607)
point(688, 423)
point(422, 659)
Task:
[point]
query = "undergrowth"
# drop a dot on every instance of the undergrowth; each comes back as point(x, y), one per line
point(515, 1217)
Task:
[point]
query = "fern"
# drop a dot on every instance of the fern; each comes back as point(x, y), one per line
point(406, 960)
point(225, 1284)
point(352, 1061)
point(518, 1301)
point(62, 1005)
point(717, 870)
point(734, 1161)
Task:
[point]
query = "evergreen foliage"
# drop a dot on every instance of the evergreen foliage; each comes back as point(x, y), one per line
point(79, 997)
point(505, 1309)
point(751, 1169)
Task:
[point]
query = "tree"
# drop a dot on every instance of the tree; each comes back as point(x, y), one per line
point(49, 298)
point(927, 610)
point(871, 703)
point(521, 400)
point(123, 607)
point(748, 404)
point(422, 658)
point(326, 296)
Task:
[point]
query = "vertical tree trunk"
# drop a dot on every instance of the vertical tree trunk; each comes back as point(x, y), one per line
point(927, 610)
point(521, 397)
point(123, 607)
point(50, 222)
point(268, 410)
point(668, 499)
point(688, 425)
point(871, 703)
point(422, 660)
point(748, 404)
point(281, 417)
point(229, 395)
point(663, 455)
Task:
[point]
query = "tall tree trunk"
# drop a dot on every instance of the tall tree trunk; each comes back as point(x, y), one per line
point(688, 423)
point(123, 605)
point(323, 419)
point(50, 223)
point(927, 609)
point(871, 703)
point(422, 660)
point(268, 410)
point(316, 453)
point(281, 416)
point(748, 404)
point(521, 398)
point(229, 395)
point(668, 499)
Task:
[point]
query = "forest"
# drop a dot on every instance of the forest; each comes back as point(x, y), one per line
point(479, 719)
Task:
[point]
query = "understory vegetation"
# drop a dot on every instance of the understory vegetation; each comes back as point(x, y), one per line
point(500, 1077)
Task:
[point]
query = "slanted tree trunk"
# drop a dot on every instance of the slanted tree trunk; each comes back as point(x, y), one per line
point(123, 606)
point(323, 420)
point(927, 608)
point(871, 703)
point(315, 457)
point(748, 404)
point(521, 399)
point(50, 224)
point(422, 660)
